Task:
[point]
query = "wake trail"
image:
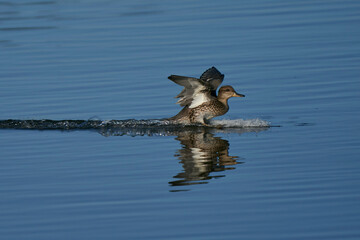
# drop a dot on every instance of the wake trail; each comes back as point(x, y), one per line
point(129, 123)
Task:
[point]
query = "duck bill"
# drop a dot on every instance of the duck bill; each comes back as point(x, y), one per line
point(238, 95)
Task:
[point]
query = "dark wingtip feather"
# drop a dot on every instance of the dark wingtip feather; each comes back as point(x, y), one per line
point(213, 77)
point(211, 73)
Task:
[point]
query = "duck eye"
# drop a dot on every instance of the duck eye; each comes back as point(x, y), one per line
point(227, 90)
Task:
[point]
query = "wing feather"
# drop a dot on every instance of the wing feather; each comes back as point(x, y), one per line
point(213, 77)
point(198, 91)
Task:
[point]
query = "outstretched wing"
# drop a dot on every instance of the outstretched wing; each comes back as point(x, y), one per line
point(213, 77)
point(195, 90)
point(198, 91)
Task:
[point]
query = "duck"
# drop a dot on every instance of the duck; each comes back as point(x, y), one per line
point(199, 99)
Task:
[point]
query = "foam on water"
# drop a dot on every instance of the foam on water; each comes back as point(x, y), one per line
point(133, 127)
point(129, 123)
point(241, 123)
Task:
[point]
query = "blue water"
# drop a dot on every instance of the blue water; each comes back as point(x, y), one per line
point(298, 63)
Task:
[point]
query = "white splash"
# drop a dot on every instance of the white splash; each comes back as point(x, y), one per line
point(243, 123)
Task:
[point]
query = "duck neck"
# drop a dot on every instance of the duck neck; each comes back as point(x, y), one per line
point(223, 101)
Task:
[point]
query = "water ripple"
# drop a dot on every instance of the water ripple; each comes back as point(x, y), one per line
point(129, 123)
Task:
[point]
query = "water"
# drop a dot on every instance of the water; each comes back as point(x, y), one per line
point(298, 63)
point(160, 124)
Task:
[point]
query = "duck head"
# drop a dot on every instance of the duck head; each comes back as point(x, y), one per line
point(227, 92)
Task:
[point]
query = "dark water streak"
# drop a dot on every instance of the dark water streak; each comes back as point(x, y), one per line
point(120, 127)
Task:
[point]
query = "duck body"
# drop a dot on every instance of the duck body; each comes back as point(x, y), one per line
point(200, 114)
point(199, 97)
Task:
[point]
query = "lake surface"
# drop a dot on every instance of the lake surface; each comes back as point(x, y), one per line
point(298, 63)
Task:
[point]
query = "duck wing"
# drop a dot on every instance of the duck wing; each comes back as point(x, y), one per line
point(213, 77)
point(195, 91)
point(198, 91)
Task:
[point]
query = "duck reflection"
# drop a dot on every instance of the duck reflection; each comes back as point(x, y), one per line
point(202, 154)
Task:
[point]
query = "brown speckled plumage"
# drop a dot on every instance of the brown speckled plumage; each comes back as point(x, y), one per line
point(202, 113)
point(199, 98)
